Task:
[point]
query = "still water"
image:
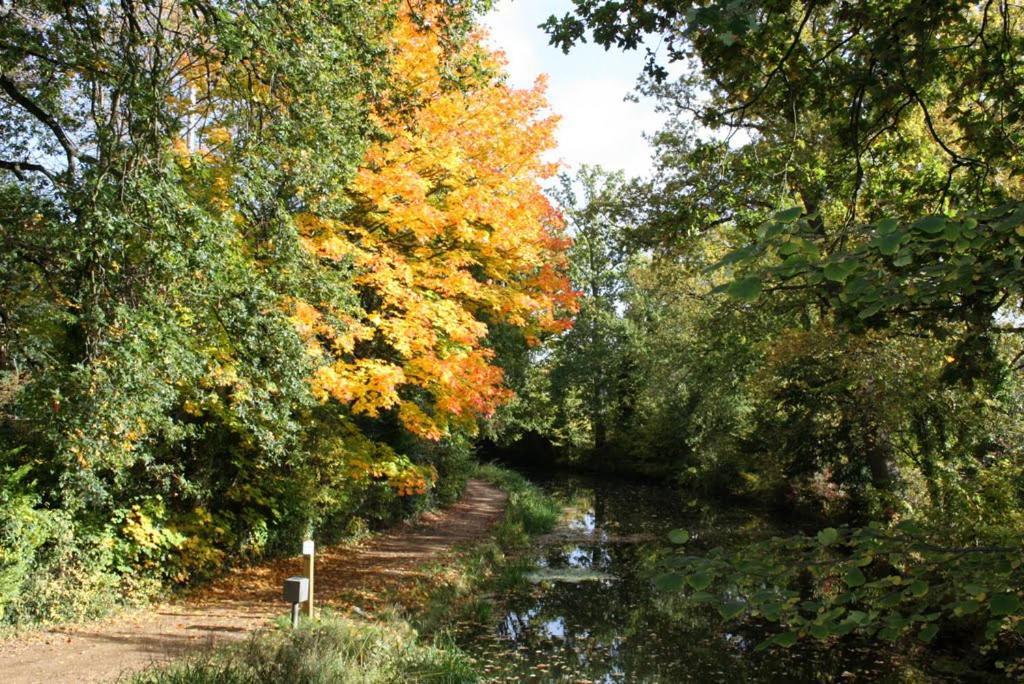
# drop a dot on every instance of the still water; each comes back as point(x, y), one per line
point(587, 611)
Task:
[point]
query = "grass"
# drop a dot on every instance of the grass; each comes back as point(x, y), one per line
point(461, 592)
point(530, 511)
point(333, 649)
point(389, 648)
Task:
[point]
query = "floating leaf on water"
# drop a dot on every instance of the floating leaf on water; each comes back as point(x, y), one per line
point(828, 536)
point(679, 536)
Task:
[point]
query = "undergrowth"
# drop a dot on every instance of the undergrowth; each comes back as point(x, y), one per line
point(390, 648)
point(530, 511)
point(331, 649)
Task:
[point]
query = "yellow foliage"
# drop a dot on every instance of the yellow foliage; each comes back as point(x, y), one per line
point(451, 229)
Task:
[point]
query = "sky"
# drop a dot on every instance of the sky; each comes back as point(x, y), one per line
point(586, 88)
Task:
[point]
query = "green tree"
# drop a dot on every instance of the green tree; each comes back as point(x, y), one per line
point(155, 402)
point(590, 362)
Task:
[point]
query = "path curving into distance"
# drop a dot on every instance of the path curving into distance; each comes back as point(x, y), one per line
point(244, 600)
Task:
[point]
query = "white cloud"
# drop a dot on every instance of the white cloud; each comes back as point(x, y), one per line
point(586, 88)
point(510, 31)
point(598, 127)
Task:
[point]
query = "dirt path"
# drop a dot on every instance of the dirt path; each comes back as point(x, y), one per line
point(246, 599)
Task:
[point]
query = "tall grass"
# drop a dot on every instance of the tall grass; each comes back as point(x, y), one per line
point(530, 511)
point(332, 650)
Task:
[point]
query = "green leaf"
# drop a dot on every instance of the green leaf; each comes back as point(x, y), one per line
point(888, 244)
point(932, 225)
point(746, 289)
point(854, 577)
point(788, 215)
point(891, 599)
point(886, 225)
point(966, 608)
point(918, 588)
point(889, 633)
point(928, 633)
point(858, 287)
point(700, 580)
point(837, 272)
point(870, 310)
point(731, 609)
point(1005, 604)
point(974, 589)
point(772, 611)
point(992, 628)
point(789, 248)
point(828, 536)
point(821, 631)
point(735, 256)
point(669, 581)
point(679, 536)
point(785, 639)
point(857, 617)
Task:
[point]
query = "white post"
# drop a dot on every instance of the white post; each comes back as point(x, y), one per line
point(308, 551)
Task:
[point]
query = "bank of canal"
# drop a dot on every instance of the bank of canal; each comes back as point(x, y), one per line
point(587, 611)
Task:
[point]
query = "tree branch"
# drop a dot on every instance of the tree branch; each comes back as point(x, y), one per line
point(778, 65)
point(19, 169)
point(70, 148)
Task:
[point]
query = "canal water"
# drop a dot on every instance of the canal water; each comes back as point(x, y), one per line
point(587, 611)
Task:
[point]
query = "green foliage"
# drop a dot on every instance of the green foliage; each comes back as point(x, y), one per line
point(23, 529)
point(153, 383)
point(529, 511)
point(332, 649)
point(934, 273)
point(52, 569)
point(591, 359)
point(891, 583)
point(839, 177)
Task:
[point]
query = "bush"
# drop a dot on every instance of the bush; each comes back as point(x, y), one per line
point(23, 529)
point(51, 569)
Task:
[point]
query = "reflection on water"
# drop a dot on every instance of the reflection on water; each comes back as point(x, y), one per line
point(610, 625)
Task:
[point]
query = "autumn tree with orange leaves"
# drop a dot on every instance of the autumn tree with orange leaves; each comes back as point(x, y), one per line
point(450, 231)
point(254, 255)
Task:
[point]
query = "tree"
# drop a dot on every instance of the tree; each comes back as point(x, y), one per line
point(590, 358)
point(251, 256)
point(449, 234)
point(860, 163)
point(893, 102)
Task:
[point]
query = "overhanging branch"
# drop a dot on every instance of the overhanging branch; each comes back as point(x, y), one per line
point(44, 117)
point(18, 168)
